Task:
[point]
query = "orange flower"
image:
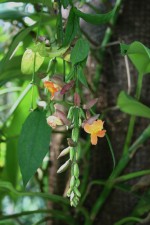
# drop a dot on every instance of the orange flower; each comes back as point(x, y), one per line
point(96, 130)
point(52, 87)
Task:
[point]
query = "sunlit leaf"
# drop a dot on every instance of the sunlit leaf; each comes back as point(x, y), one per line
point(31, 62)
point(19, 37)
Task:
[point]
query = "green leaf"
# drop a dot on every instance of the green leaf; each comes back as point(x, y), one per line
point(31, 62)
point(44, 2)
point(12, 15)
point(82, 77)
point(10, 171)
point(57, 52)
point(65, 3)
point(19, 37)
point(33, 144)
point(96, 19)
point(80, 51)
point(40, 48)
point(72, 28)
point(139, 55)
point(131, 106)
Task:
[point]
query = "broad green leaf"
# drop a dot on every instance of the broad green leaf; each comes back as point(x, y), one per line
point(12, 15)
point(80, 51)
point(65, 3)
point(82, 77)
point(18, 38)
point(139, 55)
point(96, 19)
point(10, 171)
point(31, 62)
point(33, 144)
point(56, 51)
point(72, 28)
point(131, 106)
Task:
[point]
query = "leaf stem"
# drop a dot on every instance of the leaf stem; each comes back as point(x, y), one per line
point(132, 175)
point(128, 219)
point(133, 118)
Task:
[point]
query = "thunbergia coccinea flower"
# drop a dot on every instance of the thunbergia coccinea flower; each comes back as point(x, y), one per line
point(54, 121)
point(96, 130)
point(52, 87)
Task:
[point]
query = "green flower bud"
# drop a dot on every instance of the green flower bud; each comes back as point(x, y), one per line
point(70, 113)
point(76, 170)
point(75, 134)
point(72, 153)
point(77, 183)
point(71, 196)
point(72, 182)
point(76, 191)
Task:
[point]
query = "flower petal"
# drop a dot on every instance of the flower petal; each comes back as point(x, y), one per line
point(101, 133)
point(87, 128)
point(98, 125)
point(94, 139)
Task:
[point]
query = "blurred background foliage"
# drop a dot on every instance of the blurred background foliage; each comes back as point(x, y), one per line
point(19, 25)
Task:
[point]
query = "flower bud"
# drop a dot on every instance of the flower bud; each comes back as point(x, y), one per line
point(75, 133)
point(72, 153)
point(77, 192)
point(64, 152)
point(69, 192)
point(64, 166)
point(76, 170)
point(77, 183)
point(71, 143)
point(62, 116)
point(72, 182)
point(90, 104)
point(67, 87)
point(70, 113)
point(77, 99)
point(92, 119)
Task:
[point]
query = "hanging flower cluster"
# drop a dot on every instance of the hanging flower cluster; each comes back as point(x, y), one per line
point(78, 116)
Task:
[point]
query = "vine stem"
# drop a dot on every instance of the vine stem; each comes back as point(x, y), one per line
point(128, 219)
point(133, 118)
point(122, 163)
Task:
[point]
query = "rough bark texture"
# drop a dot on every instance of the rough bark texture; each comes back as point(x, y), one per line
point(132, 24)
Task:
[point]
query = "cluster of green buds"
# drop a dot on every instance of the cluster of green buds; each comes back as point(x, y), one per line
point(75, 115)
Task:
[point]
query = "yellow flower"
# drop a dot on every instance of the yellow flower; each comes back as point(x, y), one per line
point(52, 87)
point(53, 121)
point(96, 130)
